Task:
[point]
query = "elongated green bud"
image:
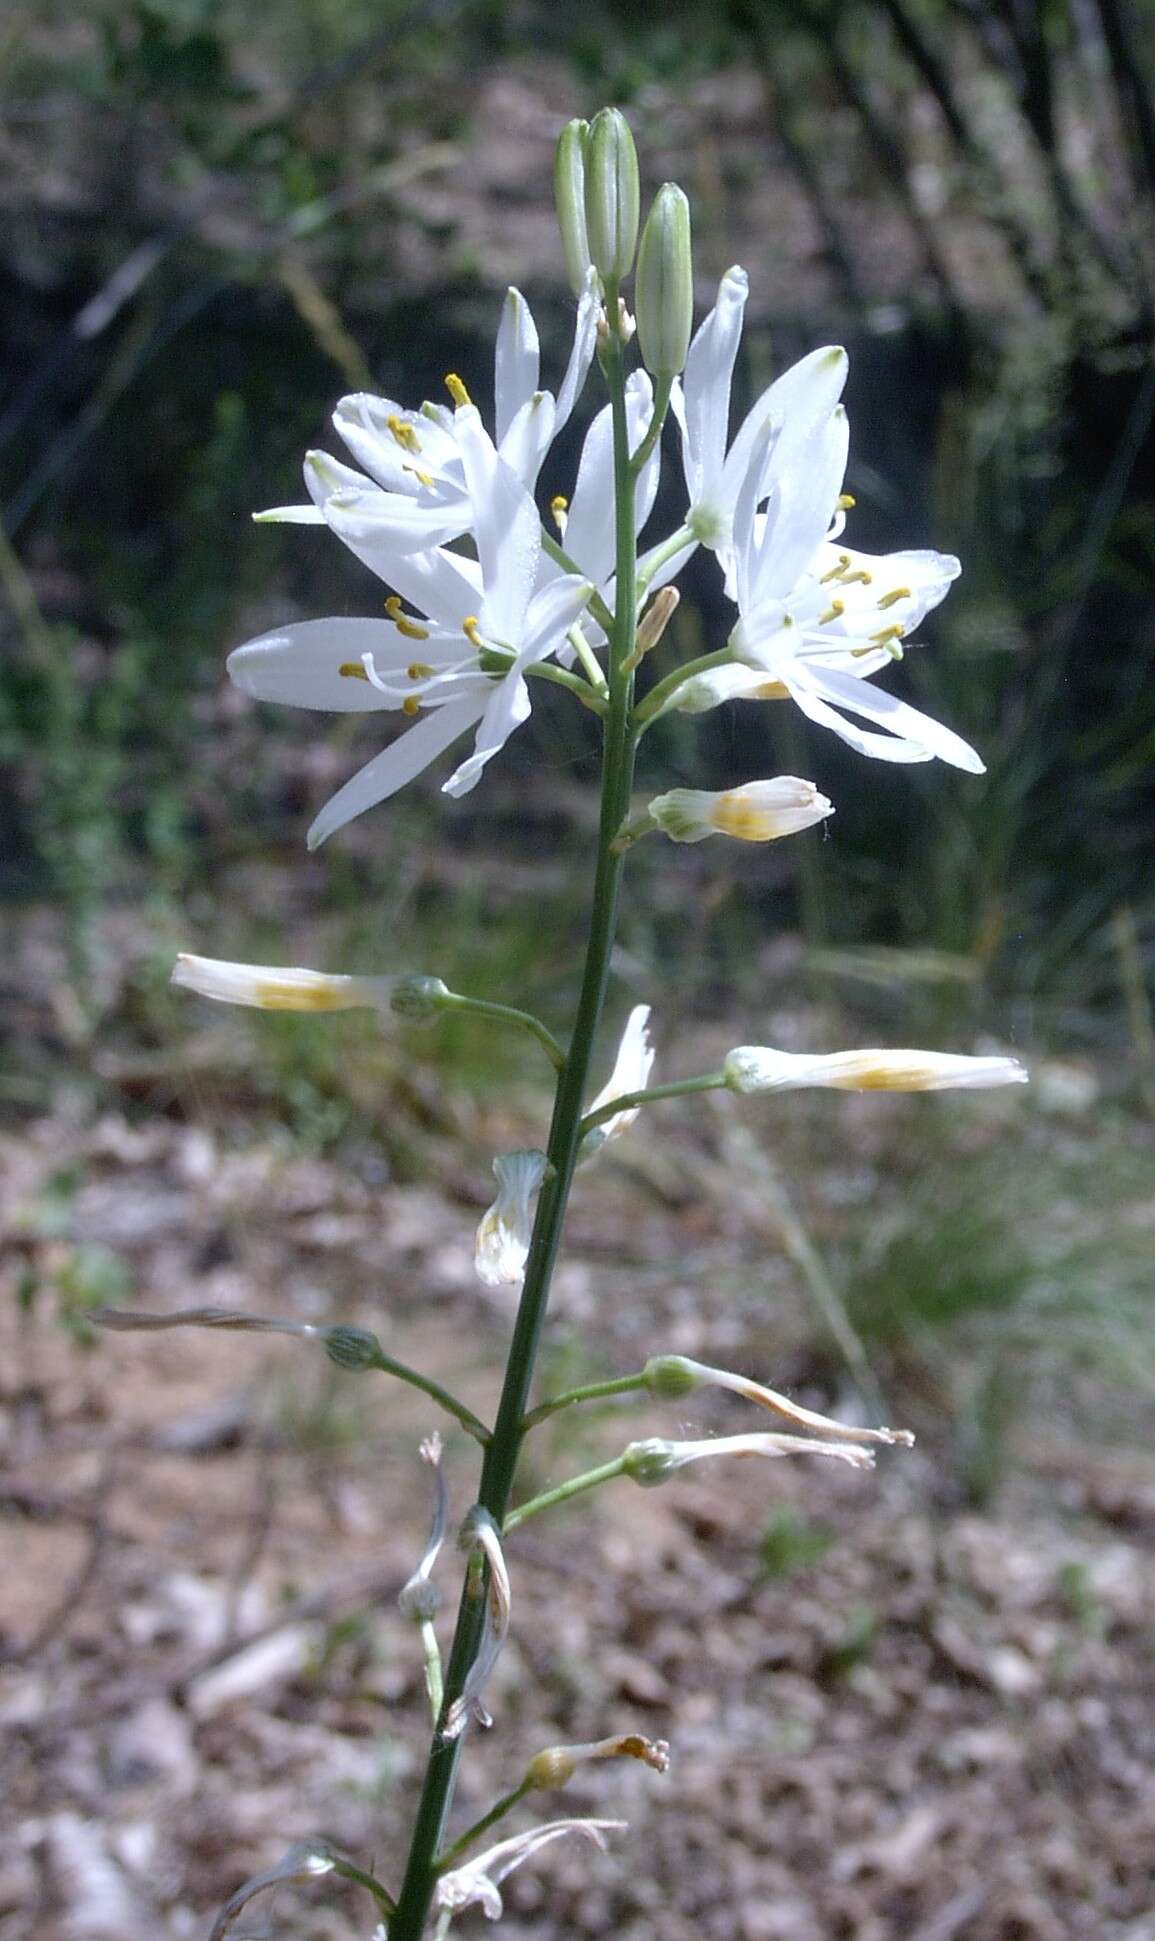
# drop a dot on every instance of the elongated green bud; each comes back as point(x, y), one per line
point(352, 1347)
point(613, 195)
point(664, 288)
point(569, 188)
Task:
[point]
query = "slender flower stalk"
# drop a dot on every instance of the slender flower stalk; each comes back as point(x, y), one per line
point(488, 592)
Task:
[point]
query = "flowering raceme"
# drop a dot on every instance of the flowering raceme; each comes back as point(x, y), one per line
point(489, 592)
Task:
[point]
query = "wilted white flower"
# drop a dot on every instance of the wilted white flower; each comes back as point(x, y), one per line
point(755, 812)
point(480, 1534)
point(630, 1074)
point(555, 1767)
point(654, 1460)
point(677, 1375)
point(759, 1068)
point(269, 988)
point(477, 1882)
point(419, 1598)
point(503, 1236)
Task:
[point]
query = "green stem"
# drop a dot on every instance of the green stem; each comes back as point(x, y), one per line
point(593, 1392)
point(504, 1445)
point(497, 1812)
point(589, 697)
point(654, 429)
point(649, 709)
point(676, 1089)
point(473, 1423)
point(508, 1014)
point(587, 657)
point(576, 1486)
point(560, 557)
point(383, 1898)
point(658, 555)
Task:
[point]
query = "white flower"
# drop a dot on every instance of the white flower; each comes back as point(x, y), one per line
point(755, 812)
point(630, 1074)
point(758, 1068)
point(803, 396)
point(478, 1880)
point(653, 1461)
point(814, 617)
point(269, 988)
point(462, 656)
point(503, 1237)
point(416, 478)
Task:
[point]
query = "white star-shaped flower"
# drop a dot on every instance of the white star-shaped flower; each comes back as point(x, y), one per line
point(460, 656)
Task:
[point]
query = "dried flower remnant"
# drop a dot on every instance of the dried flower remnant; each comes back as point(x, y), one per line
point(503, 1236)
point(480, 1536)
point(556, 1766)
point(655, 1460)
point(674, 1376)
point(631, 1072)
point(419, 1599)
point(753, 812)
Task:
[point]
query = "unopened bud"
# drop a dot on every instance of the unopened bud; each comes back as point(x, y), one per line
point(650, 1462)
point(664, 287)
point(352, 1347)
point(612, 195)
point(657, 617)
point(419, 998)
point(569, 187)
point(670, 1377)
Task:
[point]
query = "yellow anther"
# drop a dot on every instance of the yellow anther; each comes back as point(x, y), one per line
point(836, 572)
point(890, 599)
point(471, 628)
point(848, 579)
point(834, 611)
point(404, 434)
point(419, 670)
point(846, 501)
point(888, 633)
point(401, 620)
point(559, 503)
point(353, 671)
point(457, 390)
point(410, 705)
point(423, 478)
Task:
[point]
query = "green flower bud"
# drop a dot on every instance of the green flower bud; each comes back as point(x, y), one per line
point(352, 1347)
point(651, 1462)
point(613, 195)
point(664, 288)
point(550, 1769)
point(569, 188)
point(670, 1377)
point(418, 998)
point(419, 1601)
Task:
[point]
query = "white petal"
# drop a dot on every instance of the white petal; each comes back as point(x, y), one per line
point(706, 388)
point(443, 585)
point(393, 524)
point(802, 501)
point(882, 748)
point(517, 361)
point(589, 532)
point(639, 411)
point(361, 423)
point(299, 665)
point(394, 766)
point(506, 526)
point(508, 706)
point(875, 704)
point(552, 612)
point(804, 396)
point(529, 437)
point(581, 356)
point(290, 515)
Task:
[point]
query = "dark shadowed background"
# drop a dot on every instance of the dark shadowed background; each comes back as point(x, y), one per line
point(913, 1708)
